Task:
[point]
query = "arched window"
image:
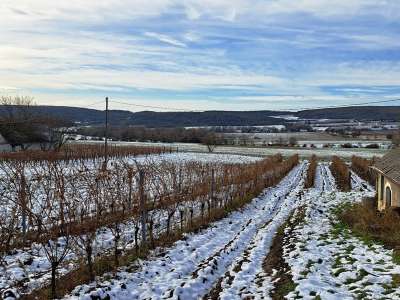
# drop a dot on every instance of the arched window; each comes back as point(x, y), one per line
point(388, 197)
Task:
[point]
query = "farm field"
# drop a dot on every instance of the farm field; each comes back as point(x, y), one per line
point(55, 211)
point(231, 259)
point(184, 226)
point(260, 151)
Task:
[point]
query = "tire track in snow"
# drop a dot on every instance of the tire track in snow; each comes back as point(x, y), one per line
point(337, 265)
point(325, 180)
point(189, 269)
point(359, 184)
point(209, 272)
point(245, 278)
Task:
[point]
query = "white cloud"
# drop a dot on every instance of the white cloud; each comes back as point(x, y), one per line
point(85, 45)
point(89, 11)
point(165, 39)
point(192, 36)
point(85, 78)
point(26, 11)
point(364, 74)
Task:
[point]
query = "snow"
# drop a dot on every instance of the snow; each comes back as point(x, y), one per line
point(189, 269)
point(29, 268)
point(337, 265)
point(264, 151)
point(227, 257)
point(183, 157)
point(246, 272)
point(231, 252)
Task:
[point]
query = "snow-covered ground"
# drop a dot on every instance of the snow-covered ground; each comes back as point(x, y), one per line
point(263, 151)
point(227, 258)
point(333, 264)
point(183, 157)
point(189, 269)
point(29, 268)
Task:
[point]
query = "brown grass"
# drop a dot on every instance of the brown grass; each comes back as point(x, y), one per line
point(362, 167)
point(310, 180)
point(78, 151)
point(373, 226)
point(341, 173)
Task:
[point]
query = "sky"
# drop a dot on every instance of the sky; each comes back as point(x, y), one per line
point(201, 55)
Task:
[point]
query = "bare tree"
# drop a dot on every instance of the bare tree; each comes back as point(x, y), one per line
point(210, 140)
point(292, 141)
point(21, 124)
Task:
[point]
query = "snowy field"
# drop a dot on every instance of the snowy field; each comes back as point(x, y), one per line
point(210, 158)
point(259, 151)
point(226, 260)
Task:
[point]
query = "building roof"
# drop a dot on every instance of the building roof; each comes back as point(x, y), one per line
point(389, 165)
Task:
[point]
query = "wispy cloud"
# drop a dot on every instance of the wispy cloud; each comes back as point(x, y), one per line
point(244, 53)
point(165, 39)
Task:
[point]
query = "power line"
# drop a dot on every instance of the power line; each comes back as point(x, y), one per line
point(95, 103)
point(155, 107)
point(351, 105)
point(304, 108)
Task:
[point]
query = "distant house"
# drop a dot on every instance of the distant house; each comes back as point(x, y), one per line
point(388, 180)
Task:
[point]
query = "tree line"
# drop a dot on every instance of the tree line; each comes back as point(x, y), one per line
point(144, 134)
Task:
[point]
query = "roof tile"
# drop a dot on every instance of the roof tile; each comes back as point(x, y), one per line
point(389, 164)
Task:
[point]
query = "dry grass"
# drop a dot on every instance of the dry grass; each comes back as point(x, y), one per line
point(341, 173)
point(362, 167)
point(372, 226)
point(81, 151)
point(310, 180)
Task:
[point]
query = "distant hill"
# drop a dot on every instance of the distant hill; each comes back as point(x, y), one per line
point(360, 113)
point(207, 118)
point(213, 118)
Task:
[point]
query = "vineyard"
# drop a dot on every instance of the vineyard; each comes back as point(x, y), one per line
point(62, 205)
point(75, 152)
point(341, 173)
point(362, 167)
point(312, 169)
point(235, 258)
point(69, 218)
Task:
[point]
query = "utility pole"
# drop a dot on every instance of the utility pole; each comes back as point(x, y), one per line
point(142, 206)
point(106, 137)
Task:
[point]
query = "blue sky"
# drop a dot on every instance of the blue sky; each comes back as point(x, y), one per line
point(199, 55)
